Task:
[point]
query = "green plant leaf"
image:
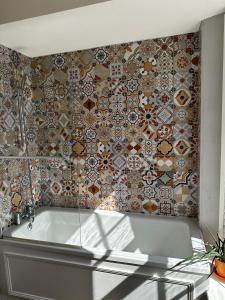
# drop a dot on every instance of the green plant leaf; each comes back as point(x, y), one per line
point(214, 251)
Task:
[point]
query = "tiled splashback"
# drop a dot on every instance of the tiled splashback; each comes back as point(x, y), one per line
point(13, 67)
point(123, 121)
point(14, 187)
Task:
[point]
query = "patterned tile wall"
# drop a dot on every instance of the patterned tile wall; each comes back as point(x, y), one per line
point(14, 188)
point(13, 67)
point(120, 125)
point(124, 119)
point(14, 181)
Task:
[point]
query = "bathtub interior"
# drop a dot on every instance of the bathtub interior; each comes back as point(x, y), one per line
point(54, 226)
point(136, 234)
point(107, 230)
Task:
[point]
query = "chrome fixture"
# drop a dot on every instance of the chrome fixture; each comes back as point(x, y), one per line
point(28, 214)
point(1, 232)
point(29, 157)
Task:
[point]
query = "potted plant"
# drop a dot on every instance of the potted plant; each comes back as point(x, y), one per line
point(215, 252)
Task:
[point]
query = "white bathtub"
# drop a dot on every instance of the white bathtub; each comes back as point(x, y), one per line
point(145, 243)
point(108, 230)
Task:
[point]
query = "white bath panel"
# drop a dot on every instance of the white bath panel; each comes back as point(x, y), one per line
point(41, 279)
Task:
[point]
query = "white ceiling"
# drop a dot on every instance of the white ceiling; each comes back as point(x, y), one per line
point(105, 23)
point(11, 10)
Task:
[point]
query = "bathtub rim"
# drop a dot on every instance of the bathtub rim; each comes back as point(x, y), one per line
point(42, 209)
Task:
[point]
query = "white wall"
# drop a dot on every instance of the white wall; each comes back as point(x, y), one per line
point(222, 178)
point(212, 60)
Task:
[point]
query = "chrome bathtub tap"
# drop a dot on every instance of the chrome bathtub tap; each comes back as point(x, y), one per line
point(28, 214)
point(18, 218)
point(1, 232)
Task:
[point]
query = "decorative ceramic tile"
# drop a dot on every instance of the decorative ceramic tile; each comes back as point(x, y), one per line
point(13, 68)
point(15, 187)
point(123, 121)
point(132, 108)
